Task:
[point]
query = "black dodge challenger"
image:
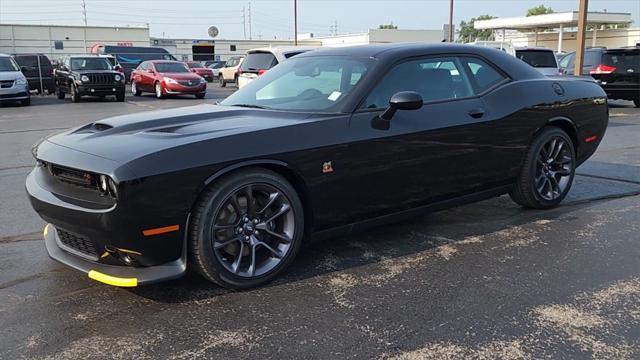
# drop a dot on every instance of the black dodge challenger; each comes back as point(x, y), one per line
point(329, 142)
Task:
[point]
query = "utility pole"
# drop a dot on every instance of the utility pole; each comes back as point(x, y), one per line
point(450, 35)
point(295, 22)
point(244, 23)
point(250, 20)
point(84, 19)
point(582, 30)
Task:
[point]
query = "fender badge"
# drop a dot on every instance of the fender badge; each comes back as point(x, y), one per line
point(327, 168)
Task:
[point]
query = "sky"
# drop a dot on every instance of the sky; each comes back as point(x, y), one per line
point(273, 19)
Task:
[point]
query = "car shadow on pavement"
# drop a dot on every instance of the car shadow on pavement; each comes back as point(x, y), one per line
point(415, 236)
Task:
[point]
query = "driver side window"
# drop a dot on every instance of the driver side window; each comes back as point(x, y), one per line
point(434, 79)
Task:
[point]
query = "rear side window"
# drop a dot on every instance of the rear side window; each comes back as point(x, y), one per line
point(292, 54)
point(28, 61)
point(483, 75)
point(623, 61)
point(259, 61)
point(591, 58)
point(537, 58)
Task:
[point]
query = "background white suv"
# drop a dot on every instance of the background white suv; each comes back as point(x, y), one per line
point(258, 61)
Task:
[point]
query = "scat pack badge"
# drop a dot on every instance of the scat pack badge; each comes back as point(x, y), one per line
point(327, 168)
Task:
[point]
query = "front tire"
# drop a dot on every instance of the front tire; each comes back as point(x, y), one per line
point(134, 89)
point(200, 96)
point(246, 229)
point(60, 94)
point(26, 102)
point(75, 97)
point(158, 90)
point(636, 102)
point(548, 170)
point(222, 82)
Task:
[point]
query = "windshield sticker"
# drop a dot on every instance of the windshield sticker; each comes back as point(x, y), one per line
point(334, 95)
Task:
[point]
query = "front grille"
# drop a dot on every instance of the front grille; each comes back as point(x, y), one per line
point(73, 176)
point(101, 79)
point(189, 82)
point(5, 84)
point(78, 243)
point(10, 96)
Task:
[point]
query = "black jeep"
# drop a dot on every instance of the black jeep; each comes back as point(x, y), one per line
point(88, 75)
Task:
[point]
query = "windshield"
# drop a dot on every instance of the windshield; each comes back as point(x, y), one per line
point(171, 68)
point(90, 64)
point(216, 65)
point(537, 58)
point(315, 84)
point(8, 64)
point(194, 65)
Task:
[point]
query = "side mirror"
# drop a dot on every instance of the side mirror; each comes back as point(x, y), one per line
point(404, 100)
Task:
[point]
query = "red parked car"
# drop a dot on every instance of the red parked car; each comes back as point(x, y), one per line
point(201, 70)
point(164, 77)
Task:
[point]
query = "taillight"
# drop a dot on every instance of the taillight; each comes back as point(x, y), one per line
point(261, 71)
point(602, 69)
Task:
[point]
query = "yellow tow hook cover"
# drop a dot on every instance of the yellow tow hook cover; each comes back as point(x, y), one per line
point(113, 280)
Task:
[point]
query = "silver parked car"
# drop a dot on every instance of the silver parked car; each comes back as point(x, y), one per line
point(13, 83)
point(543, 59)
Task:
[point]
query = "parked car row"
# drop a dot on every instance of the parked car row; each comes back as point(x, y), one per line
point(616, 70)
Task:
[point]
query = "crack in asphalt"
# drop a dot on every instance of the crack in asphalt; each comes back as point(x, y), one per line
point(31, 130)
point(22, 237)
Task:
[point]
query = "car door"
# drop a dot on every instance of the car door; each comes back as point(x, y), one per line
point(428, 154)
point(62, 75)
point(228, 69)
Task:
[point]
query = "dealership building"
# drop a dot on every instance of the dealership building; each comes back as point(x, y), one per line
point(56, 41)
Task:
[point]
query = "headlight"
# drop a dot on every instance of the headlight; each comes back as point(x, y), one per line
point(84, 78)
point(21, 81)
point(170, 81)
point(118, 77)
point(202, 80)
point(106, 186)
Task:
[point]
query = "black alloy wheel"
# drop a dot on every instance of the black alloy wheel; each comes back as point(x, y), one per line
point(246, 229)
point(548, 171)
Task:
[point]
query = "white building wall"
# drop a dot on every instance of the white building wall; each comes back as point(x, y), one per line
point(24, 39)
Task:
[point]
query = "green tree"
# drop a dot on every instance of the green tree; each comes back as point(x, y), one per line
point(539, 10)
point(467, 33)
point(387, 26)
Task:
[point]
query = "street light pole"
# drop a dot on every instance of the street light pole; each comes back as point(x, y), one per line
point(582, 29)
point(295, 22)
point(450, 35)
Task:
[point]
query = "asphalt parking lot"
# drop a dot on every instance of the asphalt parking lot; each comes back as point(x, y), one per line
point(486, 281)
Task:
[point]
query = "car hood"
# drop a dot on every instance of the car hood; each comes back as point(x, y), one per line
point(181, 76)
point(96, 72)
point(11, 75)
point(126, 138)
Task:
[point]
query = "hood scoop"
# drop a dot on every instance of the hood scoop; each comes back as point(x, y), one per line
point(93, 128)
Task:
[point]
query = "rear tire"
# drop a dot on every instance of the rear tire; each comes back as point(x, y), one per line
point(60, 94)
point(636, 102)
point(253, 244)
point(548, 170)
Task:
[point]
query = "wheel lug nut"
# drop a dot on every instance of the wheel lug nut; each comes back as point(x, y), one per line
point(255, 221)
point(246, 238)
point(255, 232)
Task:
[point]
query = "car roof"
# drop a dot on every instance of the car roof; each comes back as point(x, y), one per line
point(5, 55)
point(283, 49)
point(392, 52)
point(533, 48)
point(164, 61)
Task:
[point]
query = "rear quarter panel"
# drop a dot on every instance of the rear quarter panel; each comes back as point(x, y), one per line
point(522, 108)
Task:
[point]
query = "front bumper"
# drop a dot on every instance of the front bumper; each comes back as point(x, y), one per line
point(175, 89)
point(16, 92)
point(124, 276)
point(96, 90)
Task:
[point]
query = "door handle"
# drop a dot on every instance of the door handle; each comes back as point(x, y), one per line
point(476, 113)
